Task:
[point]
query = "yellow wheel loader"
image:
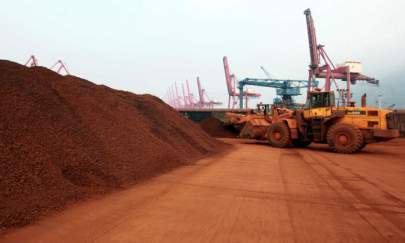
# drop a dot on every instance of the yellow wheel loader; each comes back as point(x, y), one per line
point(345, 129)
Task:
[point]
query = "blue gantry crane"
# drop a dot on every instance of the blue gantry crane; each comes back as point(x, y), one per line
point(286, 89)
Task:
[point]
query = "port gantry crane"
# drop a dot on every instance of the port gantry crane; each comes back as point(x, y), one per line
point(285, 88)
point(32, 61)
point(185, 97)
point(205, 101)
point(350, 71)
point(59, 65)
point(187, 100)
point(190, 97)
point(231, 81)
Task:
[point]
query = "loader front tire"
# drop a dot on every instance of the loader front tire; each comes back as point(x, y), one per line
point(345, 138)
point(278, 135)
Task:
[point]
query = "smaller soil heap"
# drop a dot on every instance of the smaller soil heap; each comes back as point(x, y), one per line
point(216, 128)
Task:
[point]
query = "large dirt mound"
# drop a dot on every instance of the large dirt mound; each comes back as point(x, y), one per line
point(216, 128)
point(63, 138)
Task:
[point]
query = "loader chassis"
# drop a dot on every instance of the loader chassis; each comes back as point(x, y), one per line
point(315, 123)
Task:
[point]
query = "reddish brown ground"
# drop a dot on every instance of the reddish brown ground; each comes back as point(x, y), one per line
point(65, 138)
point(255, 193)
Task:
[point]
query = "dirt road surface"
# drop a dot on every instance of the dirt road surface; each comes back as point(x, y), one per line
point(254, 193)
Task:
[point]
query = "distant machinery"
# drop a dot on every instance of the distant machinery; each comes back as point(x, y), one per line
point(188, 100)
point(190, 96)
point(286, 89)
point(286, 101)
point(265, 72)
point(350, 71)
point(172, 97)
point(185, 100)
point(205, 101)
point(59, 66)
point(231, 81)
point(32, 61)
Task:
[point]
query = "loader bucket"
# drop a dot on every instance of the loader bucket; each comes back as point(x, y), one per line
point(255, 129)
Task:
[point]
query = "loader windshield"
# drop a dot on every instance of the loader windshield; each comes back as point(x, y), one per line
point(320, 99)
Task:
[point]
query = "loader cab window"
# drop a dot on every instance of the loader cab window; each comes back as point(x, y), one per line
point(263, 108)
point(320, 99)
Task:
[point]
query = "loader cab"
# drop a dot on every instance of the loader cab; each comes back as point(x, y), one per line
point(319, 99)
point(319, 104)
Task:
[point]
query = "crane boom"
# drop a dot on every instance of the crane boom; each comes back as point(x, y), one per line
point(265, 72)
point(228, 76)
point(313, 45)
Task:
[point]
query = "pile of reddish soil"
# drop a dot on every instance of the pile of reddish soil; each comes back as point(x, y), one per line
point(63, 138)
point(216, 128)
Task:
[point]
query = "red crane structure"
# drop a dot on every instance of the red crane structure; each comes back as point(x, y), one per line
point(173, 97)
point(178, 97)
point(187, 100)
point(231, 83)
point(32, 61)
point(205, 101)
point(59, 65)
point(201, 102)
point(170, 98)
point(190, 96)
point(349, 72)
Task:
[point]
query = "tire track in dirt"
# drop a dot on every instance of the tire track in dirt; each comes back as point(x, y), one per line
point(280, 158)
point(389, 227)
point(321, 192)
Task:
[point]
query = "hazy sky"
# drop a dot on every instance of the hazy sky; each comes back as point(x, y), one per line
point(145, 45)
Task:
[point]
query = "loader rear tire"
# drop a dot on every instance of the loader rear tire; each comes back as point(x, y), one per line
point(363, 145)
point(345, 138)
point(278, 135)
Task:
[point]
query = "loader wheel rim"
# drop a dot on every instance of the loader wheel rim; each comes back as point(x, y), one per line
point(343, 139)
point(276, 135)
